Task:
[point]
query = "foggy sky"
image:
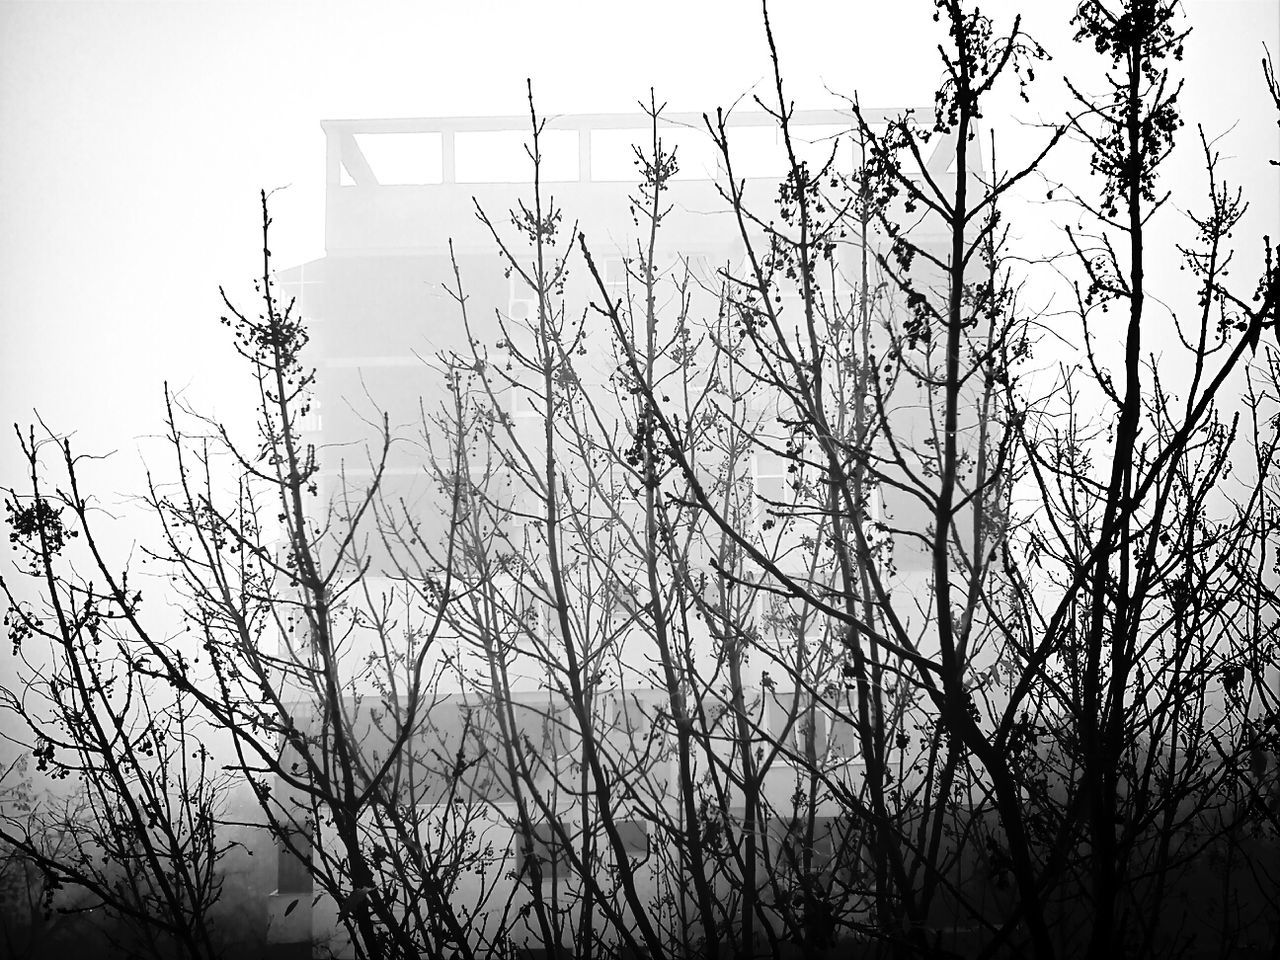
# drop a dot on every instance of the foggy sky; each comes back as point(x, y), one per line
point(135, 137)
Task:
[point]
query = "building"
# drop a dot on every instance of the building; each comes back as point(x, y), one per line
point(402, 206)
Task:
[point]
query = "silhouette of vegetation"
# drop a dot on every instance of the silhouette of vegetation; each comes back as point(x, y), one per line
point(837, 597)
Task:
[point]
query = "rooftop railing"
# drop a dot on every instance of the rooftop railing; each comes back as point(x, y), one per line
point(590, 148)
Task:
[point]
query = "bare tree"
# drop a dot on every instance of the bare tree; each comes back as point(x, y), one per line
point(796, 607)
point(136, 829)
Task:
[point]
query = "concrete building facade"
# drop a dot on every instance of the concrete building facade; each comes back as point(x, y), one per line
point(401, 214)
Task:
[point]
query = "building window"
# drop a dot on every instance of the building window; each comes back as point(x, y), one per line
point(524, 354)
point(634, 836)
point(793, 719)
point(615, 274)
point(545, 849)
point(785, 518)
point(831, 853)
point(294, 865)
point(623, 599)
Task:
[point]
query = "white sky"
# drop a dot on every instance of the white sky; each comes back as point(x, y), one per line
point(134, 138)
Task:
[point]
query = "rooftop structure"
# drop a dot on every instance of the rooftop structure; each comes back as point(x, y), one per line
point(401, 208)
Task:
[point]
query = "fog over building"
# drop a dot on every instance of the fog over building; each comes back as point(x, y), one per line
point(403, 205)
point(140, 135)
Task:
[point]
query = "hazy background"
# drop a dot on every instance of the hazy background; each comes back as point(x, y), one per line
point(134, 138)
